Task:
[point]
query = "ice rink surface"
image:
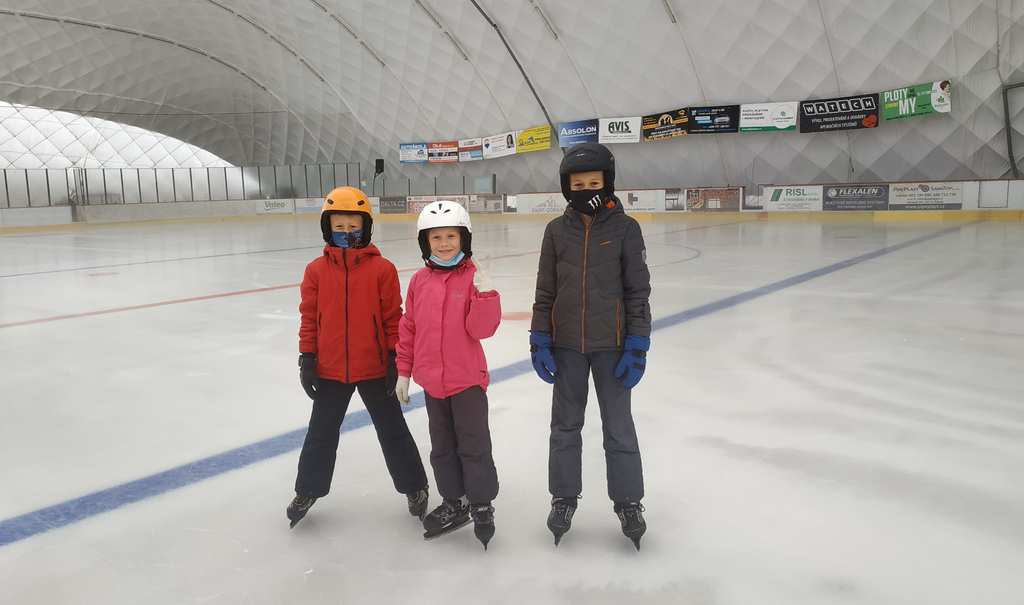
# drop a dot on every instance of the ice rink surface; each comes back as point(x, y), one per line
point(833, 412)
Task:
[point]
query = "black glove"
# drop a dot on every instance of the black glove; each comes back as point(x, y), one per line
point(391, 378)
point(307, 374)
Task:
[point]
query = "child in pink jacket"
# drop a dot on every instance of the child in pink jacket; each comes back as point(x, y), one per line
point(445, 319)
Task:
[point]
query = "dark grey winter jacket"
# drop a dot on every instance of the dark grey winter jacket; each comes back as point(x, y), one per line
point(593, 286)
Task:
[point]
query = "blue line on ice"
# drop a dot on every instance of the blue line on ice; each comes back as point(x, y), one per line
point(71, 511)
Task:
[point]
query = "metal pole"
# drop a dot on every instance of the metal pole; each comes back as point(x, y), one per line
point(103, 171)
point(67, 184)
point(463, 184)
point(1009, 129)
point(209, 185)
point(174, 187)
point(138, 182)
point(334, 173)
point(320, 178)
point(124, 198)
point(191, 184)
point(225, 170)
point(241, 171)
point(156, 184)
point(259, 181)
point(28, 190)
point(7, 191)
point(49, 195)
point(277, 188)
point(435, 185)
point(359, 175)
point(348, 178)
point(305, 172)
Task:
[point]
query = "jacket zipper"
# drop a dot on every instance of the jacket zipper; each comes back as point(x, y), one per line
point(345, 262)
point(376, 336)
point(618, 324)
point(583, 315)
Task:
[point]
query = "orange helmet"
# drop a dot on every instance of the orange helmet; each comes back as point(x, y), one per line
point(347, 200)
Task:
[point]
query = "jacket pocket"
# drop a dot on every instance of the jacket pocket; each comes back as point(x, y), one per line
point(376, 337)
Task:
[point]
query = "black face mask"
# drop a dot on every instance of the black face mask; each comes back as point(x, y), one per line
point(586, 201)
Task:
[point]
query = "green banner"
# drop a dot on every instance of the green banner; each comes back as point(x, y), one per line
point(918, 100)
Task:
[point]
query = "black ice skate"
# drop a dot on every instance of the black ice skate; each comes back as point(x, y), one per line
point(483, 522)
point(451, 515)
point(418, 502)
point(299, 507)
point(560, 519)
point(632, 519)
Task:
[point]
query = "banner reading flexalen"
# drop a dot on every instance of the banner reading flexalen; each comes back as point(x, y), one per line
point(471, 150)
point(667, 125)
point(537, 138)
point(856, 197)
point(918, 100)
point(844, 113)
point(574, 133)
point(768, 117)
point(412, 153)
point(619, 130)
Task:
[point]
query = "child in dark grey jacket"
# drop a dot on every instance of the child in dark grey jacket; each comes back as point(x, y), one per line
point(592, 315)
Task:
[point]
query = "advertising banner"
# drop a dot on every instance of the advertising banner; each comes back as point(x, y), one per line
point(926, 196)
point(675, 200)
point(443, 152)
point(540, 203)
point(309, 205)
point(619, 130)
point(917, 100)
point(574, 133)
point(806, 198)
point(412, 153)
point(486, 202)
point(276, 207)
point(471, 150)
point(642, 200)
point(499, 145)
point(844, 113)
point(714, 199)
point(856, 197)
point(768, 117)
point(711, 120)
point(393, 204)
point(415, 203)
point(667, 125)
point(533, 139)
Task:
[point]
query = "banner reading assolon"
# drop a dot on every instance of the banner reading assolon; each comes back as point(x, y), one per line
point(574, 133)
point(844, 113)
point(856, 197)
point(717, 119)
point(768, 117)
point(917, 100)
point(665, 125)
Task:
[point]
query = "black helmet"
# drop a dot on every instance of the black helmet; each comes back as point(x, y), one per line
point(584, 158)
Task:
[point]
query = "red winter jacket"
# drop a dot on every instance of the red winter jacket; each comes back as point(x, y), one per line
point(351, 306)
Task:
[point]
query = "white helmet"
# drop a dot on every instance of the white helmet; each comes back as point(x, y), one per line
point(444, 213)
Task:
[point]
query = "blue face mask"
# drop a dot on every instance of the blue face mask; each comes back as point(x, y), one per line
point(347, 240)
point(455, 260)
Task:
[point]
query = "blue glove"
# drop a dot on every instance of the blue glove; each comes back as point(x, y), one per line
point(634, 360)
point(540, 354)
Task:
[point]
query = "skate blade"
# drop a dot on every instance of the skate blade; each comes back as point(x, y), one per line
point(636, 543)
point(430, 536)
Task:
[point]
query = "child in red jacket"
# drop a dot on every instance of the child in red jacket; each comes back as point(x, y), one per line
point(445, 319)
point(351, 306)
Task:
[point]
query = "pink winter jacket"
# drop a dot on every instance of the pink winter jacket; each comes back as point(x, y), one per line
point(439, 336)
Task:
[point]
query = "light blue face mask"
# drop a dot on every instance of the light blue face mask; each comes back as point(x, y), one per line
point(455, 260)
point(347, 240)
